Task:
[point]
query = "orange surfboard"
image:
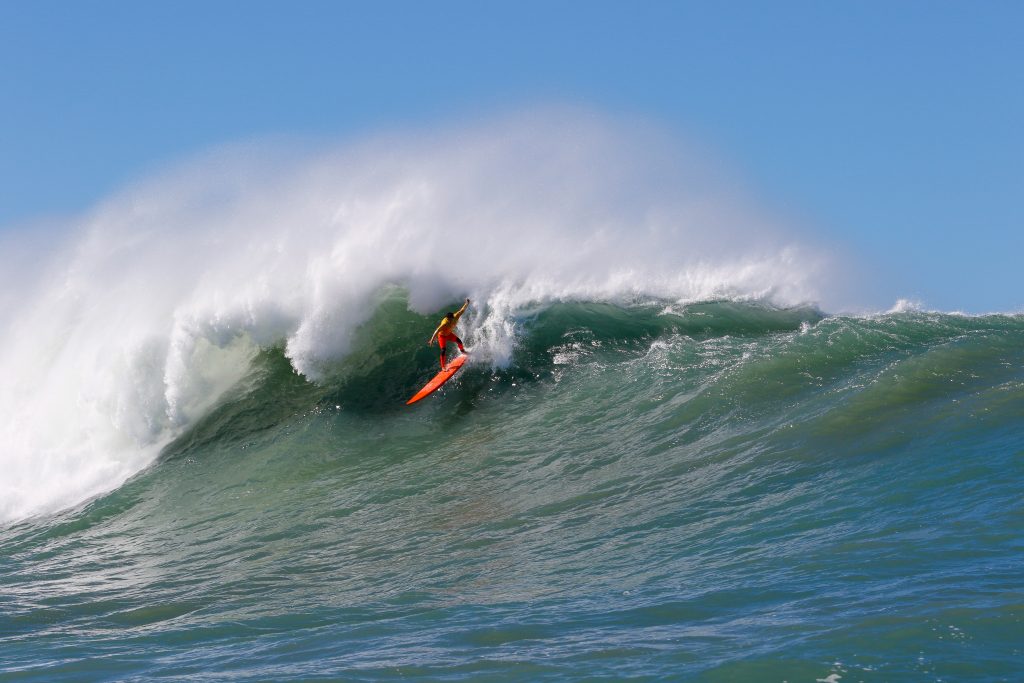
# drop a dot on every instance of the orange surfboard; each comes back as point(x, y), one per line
point(439, 379)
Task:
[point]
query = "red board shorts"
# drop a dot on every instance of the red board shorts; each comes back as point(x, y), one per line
point(443, 338)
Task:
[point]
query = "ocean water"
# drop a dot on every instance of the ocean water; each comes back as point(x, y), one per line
point(716, 491)
point(660, 463)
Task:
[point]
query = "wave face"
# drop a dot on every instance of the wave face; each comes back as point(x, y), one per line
point(664, 460)
point(130, 327)
point(717, 490)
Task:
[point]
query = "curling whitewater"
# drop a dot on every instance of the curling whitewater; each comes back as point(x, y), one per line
point(124, 326)
point(714, 491)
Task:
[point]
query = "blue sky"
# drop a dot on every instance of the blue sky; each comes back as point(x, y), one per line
point(893, 129)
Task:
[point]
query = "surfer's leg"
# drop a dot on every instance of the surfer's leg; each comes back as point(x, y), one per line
point(442, 343)
point(459, 342)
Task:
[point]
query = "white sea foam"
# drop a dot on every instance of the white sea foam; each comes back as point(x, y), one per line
point(154, 303)
point(906, 306)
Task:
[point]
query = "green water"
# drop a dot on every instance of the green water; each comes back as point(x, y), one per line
point(720, 492)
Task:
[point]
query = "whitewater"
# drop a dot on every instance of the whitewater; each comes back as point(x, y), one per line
point(666, 459)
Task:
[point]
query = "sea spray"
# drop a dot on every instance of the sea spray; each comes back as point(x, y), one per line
point(155, 303)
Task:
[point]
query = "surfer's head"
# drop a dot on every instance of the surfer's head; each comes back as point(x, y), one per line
point(449, 314)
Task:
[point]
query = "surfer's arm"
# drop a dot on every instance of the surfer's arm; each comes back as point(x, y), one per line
point(458, 314)
point(434, 336)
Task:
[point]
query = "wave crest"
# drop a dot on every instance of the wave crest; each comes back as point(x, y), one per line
point(160, 298)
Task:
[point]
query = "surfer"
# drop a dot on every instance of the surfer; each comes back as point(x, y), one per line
point(445, 332)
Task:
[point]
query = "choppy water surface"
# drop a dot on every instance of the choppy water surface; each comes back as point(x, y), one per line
point(718, 491)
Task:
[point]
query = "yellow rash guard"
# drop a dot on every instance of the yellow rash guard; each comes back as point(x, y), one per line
point(447, 325)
